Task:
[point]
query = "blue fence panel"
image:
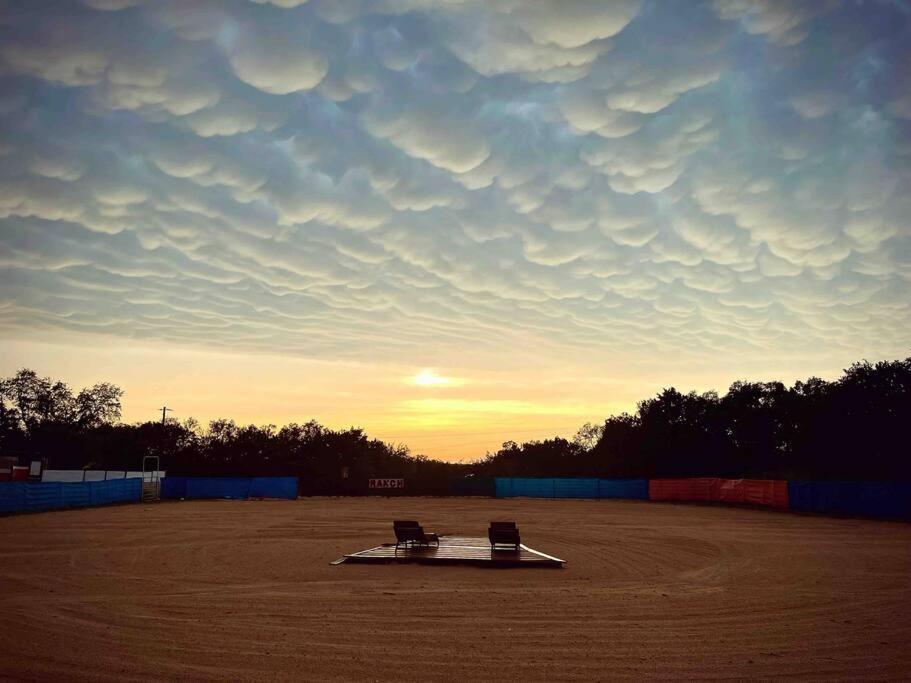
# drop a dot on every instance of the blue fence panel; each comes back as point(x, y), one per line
point(868, 499)
point(805, 497)
point(174, 487)
point(37, 496)
point(12, 496)
point(75, 495)
point(131, 489)
point(474, 486)
point(229, 487)
point(97, 495)
point(634, 489)
point(503, 487)
point(101, 495)
point(119, 490)
point(886, 499)
point(110, 492)
point(532, 487)
point(575, 488)
point(218, 487)
point(273, 487)
point(43, 496)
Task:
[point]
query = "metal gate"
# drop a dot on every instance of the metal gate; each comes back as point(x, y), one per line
point(151, 480)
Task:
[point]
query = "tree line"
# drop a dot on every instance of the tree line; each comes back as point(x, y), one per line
point(855, 427)
point(44, 419)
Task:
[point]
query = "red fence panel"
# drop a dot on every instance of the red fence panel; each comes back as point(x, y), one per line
point(702, 489)
point(732, 491)
point(768, 492)
point(776, 493)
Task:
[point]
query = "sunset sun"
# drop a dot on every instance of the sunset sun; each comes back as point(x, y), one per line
point(428, 378)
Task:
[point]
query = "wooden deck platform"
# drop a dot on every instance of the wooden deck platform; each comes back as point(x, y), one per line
point(454, 550)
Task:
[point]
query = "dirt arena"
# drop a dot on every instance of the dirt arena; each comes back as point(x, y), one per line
point(244, 590)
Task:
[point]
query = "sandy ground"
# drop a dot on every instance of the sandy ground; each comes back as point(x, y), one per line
point(244, 590)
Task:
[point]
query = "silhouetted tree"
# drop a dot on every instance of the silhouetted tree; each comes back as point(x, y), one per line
point(588, 435)
point(98, 405)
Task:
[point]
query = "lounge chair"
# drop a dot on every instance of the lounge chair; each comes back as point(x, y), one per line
point(411, 534)
point(503, 534)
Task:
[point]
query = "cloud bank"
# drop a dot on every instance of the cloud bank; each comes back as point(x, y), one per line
point(400, 179)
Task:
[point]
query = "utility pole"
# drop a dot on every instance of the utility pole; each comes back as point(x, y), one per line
point(164, 411)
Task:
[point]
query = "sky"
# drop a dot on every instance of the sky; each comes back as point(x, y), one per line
point(450, 222)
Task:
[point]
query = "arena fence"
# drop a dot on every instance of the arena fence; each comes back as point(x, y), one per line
point(37, 496)
point(867, 499)
point(473, 486)
point(864, 498)
point(229, 487)
point(529, 487)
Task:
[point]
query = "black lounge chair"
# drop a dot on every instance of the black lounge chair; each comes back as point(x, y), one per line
point(503, 534)
point(410, 534)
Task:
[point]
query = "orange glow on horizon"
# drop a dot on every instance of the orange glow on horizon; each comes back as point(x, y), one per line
point(457, 416)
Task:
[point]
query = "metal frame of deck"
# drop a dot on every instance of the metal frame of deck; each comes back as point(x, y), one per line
point(453, 550)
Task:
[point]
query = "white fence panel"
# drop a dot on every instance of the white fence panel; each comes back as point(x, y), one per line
point(62, 475)
point(95, 475)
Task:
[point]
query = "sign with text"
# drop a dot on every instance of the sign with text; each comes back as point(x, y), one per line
point(386, 484)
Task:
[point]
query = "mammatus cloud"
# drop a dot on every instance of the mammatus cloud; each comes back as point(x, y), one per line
point(784, 23)
point(401, 179)
point(432, 136)
point(278, 66)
